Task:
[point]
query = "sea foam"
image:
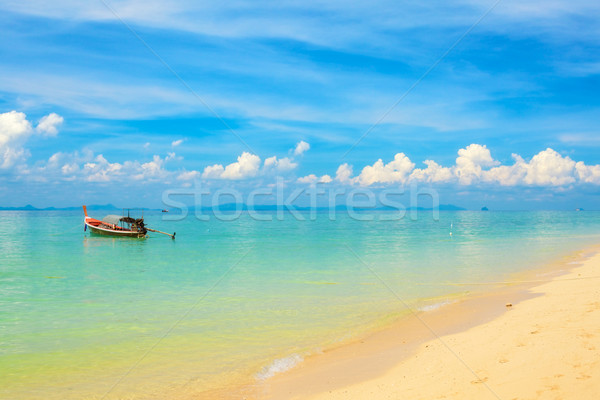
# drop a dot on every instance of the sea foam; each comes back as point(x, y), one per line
point(278, 366)
point(434, 306)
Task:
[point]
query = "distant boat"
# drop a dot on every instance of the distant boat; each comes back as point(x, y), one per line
point(115, 225)
point(165, 210)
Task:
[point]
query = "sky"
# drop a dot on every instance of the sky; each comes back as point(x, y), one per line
point(488, 103)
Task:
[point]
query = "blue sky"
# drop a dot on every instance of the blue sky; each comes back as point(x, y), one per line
point(260, 78)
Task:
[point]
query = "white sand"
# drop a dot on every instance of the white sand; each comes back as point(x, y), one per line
point(546, 346)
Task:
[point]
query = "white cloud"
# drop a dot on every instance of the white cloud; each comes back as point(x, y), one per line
point(396, 171)
point(508, 175)
point(475, 165)
point(279, 165)
point(188, 175)
point(101, 170)
point(15, 130)
point(270, 162)
point(550, 168)
point(11, 156)
point(344, 174)
point(13, 127)
point(247, 166)
point(153, 169)
point(213, 171)
point(176, 143)
point(325, 179)
point(312, 178)
point(471, 161)
point(69, 169)
point(49, 124)
point(588, 173)
point(301, 148)
point(433, 173)
point(547, 168)
point(172, 156)
point(285, 164)
point(87, 167)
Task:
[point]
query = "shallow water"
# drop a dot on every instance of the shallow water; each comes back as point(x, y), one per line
point(84, 316)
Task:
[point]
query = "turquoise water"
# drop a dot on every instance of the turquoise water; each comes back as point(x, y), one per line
point(90, 317)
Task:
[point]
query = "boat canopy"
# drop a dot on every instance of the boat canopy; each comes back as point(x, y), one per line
point(112, 219)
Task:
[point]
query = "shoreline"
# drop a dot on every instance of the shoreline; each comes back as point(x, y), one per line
point(359, 364)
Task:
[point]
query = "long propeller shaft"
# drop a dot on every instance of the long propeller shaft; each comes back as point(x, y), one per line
point(164, 233)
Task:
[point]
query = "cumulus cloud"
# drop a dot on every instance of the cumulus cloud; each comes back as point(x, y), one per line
point(433, 173)
point(508, 175)
point(312, 179)
point(279, 165)
point(344, 174)
point(247, 166)
point(154, 169)
point(101, 170)
point(213, 171)
point(15, 130)
point(547, 168)
point(588, 173)
point(301, 148)
point(471, 161)
point(396, 171)
point(475, 165)
point(88, 167)
point(550, 168)
point(325, 179)
point(188, 175)
point(49, 124)
point(13, 125)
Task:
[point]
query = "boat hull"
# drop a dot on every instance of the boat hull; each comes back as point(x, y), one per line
point(112, 232)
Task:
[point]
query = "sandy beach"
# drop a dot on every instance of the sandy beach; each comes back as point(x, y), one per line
point(536, 340)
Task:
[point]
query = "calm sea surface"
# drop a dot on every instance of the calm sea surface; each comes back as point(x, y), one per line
point(90, 317)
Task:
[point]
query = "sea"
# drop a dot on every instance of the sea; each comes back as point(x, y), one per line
point(239, 299)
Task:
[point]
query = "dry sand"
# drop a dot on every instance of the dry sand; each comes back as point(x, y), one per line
point(546, 346)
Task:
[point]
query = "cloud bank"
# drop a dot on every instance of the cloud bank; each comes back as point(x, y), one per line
point(249, 166)
point(475, 165)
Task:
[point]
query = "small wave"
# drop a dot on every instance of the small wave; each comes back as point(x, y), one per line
point(434, 306)
point(278, 366)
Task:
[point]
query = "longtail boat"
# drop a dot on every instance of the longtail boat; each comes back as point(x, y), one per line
point(116, 225)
